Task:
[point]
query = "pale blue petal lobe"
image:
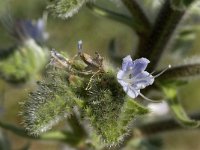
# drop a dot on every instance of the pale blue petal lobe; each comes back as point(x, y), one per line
point(127, 63)
point(140, 65)
point(133, 93)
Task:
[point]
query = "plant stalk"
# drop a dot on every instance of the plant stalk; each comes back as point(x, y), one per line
point(162, 31)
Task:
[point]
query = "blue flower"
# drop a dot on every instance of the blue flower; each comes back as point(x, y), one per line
point(133, 76)
point(29, 29)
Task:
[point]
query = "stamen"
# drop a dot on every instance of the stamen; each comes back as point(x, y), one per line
point(169, 66)
point(148, 99)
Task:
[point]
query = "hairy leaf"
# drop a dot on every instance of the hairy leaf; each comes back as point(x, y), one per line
point(109, 110)
point(50, 103)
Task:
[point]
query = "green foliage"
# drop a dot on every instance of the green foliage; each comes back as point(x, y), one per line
point(65, 8)
point(178, 111)
point(104, 104)
point(23, 64)
point(95, 94)
point(50, 103)
point(129, 111)
point(108, 109)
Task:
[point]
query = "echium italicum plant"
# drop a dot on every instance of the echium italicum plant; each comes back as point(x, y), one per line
point(100, 103)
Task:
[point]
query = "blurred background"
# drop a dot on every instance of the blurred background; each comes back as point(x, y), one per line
point(97, 34)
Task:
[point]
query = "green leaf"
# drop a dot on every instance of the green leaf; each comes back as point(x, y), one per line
point(51, 102)
point(130, 111)
point(108, 109)
point(177, 109)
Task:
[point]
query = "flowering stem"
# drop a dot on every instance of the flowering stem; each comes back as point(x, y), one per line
point(163, 29)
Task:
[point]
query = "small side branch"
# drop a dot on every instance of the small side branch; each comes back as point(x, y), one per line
point(163, 126)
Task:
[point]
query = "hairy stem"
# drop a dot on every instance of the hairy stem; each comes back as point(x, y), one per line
point(179, 72)
point(164, 27)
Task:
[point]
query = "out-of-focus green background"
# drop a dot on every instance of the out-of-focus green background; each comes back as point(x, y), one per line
point(96, 33)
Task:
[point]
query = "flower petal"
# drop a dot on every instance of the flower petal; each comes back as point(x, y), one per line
point(127, 63)
point(140, 65)
point(133, 93)
point(142, 80)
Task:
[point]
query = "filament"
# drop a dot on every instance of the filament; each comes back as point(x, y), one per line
point(169, 66)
